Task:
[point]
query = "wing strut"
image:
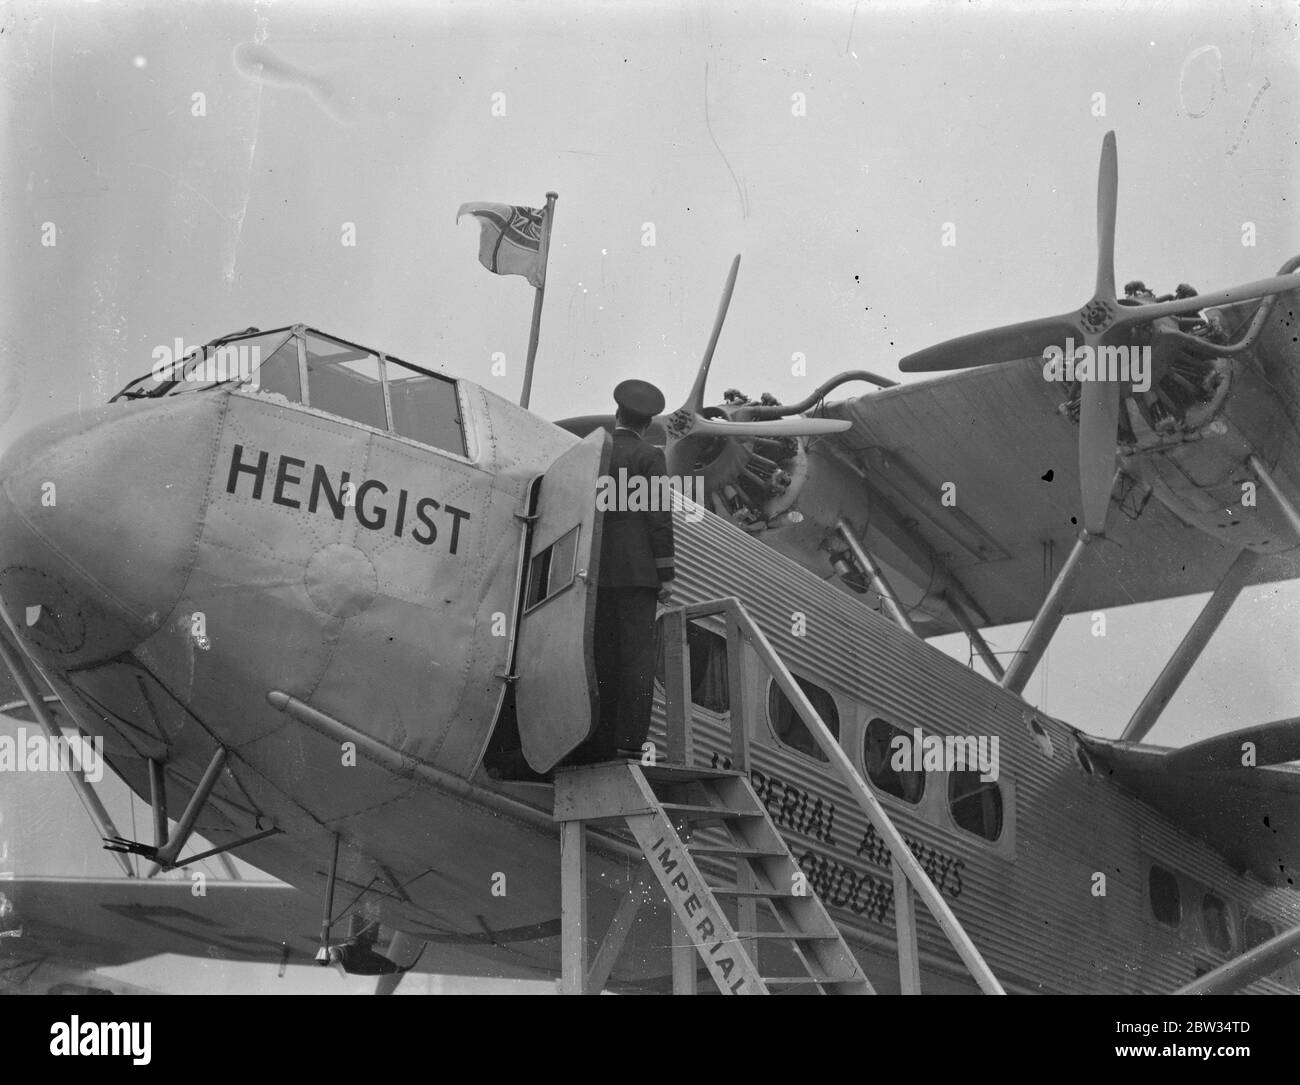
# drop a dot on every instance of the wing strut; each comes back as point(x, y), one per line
point(955, 594)
point(327, 920)
point(158, 801)
point(167, 853)
point(1252, 965)
point(963, 619)
point(1207, 621)
point(1047, 620)
point(1189, 650)
point(89, 799)
point(878, 581)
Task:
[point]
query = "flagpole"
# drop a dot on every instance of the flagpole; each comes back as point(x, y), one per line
point(543, 253)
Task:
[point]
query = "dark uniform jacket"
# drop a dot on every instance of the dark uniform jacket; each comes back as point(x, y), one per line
point(636, 548)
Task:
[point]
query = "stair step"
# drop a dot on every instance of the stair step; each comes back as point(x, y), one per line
point(746, 853)
point(676, 801)
point(696, 812)
point(684, 774)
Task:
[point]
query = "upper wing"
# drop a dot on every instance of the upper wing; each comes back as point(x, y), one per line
point(996, 435)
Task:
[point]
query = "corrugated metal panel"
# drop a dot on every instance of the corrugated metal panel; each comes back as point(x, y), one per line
point(1030, 909)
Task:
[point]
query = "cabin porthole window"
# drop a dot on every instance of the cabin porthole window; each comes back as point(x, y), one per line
point(789, 727)
point(975, 804)
point(1215, 923)
point(878, 750)
point(1039, 734)
point(710, 684)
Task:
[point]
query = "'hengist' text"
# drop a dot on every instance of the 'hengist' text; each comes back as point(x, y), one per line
point(371, 512)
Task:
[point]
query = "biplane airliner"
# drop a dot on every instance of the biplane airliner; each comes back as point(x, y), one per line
point(336, 613)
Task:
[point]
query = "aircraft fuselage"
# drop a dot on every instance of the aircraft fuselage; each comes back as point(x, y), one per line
point(210, 556)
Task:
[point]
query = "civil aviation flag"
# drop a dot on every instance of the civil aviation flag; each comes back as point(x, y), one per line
point(510, 239)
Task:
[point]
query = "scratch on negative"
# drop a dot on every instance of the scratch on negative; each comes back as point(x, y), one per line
point(228, 272)
point(744, 201)
point(181, 184)
point(1250, 113)
point(1119, 583)
point(54, 116)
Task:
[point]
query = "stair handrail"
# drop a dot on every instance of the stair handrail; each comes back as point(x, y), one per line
point(680, 716)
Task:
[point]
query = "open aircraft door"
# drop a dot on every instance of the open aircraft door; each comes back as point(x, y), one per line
point(555, 693)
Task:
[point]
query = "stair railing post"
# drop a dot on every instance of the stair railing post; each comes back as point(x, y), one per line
point(686, 964)
point(677, 687)
point(909, 960)
point(736, 689)
point(685, 980)
point(573, 908)
point(746, 908)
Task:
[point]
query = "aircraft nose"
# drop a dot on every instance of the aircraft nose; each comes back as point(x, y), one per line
point(99, 514)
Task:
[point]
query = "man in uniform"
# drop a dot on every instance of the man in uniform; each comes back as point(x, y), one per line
point(636, 566)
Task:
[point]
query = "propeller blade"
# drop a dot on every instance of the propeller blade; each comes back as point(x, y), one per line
point(583, 424)
point(404, 950)
point(1098, 422)
point(1260, 288)
point(795, 426)
point(1107, 199)
point(1274, 743)
point(387, 985)
point(695, 401)
point(1028, 339)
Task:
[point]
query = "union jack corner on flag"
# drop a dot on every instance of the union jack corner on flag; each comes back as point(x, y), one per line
point(510, 239)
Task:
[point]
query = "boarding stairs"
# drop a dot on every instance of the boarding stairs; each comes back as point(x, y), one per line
point(662, 807)
point(705, 838)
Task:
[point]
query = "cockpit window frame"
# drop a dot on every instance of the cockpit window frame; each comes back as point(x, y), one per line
point(305, 376)
point(299, 332)
point(210, 349)
point(197, 353)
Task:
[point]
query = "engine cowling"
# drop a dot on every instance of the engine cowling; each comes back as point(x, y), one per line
point(750, 481)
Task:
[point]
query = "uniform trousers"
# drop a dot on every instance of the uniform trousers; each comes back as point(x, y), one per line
point(625, 667)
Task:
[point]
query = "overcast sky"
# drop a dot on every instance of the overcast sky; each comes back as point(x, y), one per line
point(682, 116)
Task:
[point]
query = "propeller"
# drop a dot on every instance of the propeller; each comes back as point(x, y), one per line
point(1102, 321)
point(691, 421)
point(1274, 743)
